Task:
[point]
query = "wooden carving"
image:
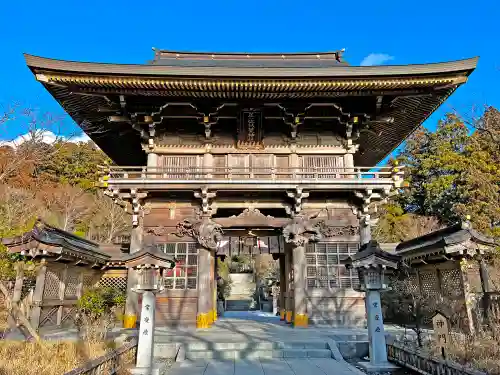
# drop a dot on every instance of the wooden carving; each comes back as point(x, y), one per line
point(336, 231)
point(204, 230)
point(302, 230)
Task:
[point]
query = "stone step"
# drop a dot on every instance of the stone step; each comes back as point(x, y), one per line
point(238, 305)
point(254, 354)
point(255, 345)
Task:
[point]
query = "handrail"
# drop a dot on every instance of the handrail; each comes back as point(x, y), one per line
point(267, 173)
point(108, 364)
point(425, 365)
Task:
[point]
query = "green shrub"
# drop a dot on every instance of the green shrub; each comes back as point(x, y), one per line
point(100, 301)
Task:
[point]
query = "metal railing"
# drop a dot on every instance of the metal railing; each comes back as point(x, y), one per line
point(425, 365)
point(113, 173)
point(113, 362)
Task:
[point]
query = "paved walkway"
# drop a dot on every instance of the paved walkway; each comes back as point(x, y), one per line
point(254, 328)
point(312, 366)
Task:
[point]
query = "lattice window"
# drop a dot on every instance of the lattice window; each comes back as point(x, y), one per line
point(115, 282)
point(430, 284)
point(184, 275)
point(88, 281)
point(324, 269)
point(72, 281)
point(52, 284)
point(451, 283)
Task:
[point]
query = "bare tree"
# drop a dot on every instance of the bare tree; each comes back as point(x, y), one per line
point(108, 219)
point(69, 205)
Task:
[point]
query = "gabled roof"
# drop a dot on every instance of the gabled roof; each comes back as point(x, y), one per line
point(48, 240)
point(454, 239)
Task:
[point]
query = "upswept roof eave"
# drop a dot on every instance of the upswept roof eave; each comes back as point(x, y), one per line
point(465, 66)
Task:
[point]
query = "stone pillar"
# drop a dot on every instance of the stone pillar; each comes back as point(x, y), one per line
point(288, 276)
point(300, 318)
point(204, 296)
point(282, 286)
point(38, 295)
point(376, 335)
point(132, 301)
point(146, 329)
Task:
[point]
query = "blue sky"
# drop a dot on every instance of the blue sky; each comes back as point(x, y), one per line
point(124, 31)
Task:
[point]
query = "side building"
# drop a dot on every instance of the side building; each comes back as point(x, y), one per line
point(217, 154)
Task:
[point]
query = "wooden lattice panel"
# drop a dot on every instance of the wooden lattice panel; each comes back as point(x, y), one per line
point(119, 283)
point(52, 284)
point(430, 284)
point(451, 283)
point(48, 316)
point(72, 282)
point(324, 270)
point(68, 316)
point(88, 281)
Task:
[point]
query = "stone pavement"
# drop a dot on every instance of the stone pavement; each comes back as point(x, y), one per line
point(277, 366)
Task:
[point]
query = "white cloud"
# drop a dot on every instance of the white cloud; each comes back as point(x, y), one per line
point(376, 59)
point(45, 136)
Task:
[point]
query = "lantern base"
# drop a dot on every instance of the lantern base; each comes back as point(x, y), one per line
point(378, 368)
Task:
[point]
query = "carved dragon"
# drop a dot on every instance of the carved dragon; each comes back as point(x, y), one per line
point(204, 230)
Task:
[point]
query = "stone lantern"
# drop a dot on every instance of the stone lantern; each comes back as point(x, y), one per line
point(149, 264)
point(372, 263)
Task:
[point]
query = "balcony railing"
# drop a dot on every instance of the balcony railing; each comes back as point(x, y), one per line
point(224, 175)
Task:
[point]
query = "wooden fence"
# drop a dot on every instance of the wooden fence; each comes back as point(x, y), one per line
point(425, 365)
point(112, 363)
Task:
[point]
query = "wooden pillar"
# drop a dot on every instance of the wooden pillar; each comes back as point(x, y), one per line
point(282, 286)
point(62, 289)
point(16, 295)
point(300, 318)
point(349, 165)
point(132, 301)
point(467, 294)
point(204, 296)
point(214, 292)
point(365, 234)
point(38, 295)
point(486, 288)
point(288, 276)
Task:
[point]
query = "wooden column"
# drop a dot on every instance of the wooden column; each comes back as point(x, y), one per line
point(365, 234)
point(38, 295)
point(283, 280)
point(132, 301)
point(349, 164)
point(204, 296)
point(16, 295)
point(62, 289)
point(486, 288)
point(300, 318)
point(289, 292)
point(467, 295)
point(215, 286)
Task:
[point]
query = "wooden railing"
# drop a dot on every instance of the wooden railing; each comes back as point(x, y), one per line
point(425, 365)
point(113, 362)
point(110, 173)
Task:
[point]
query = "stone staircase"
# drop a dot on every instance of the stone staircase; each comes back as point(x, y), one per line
point(242, 290)
point(199, 350)
point(243, 304)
